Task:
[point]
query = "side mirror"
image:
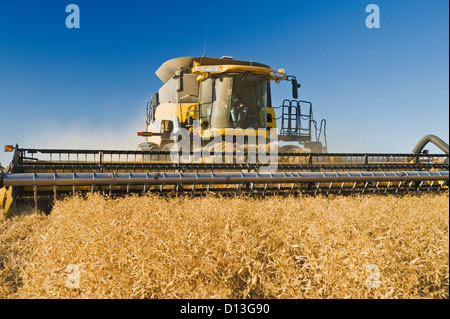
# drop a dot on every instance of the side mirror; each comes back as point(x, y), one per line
point(295, 87)
point(155, 100)
point(151, 108)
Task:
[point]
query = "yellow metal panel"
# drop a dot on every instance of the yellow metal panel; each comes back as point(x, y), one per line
point(7, 202)
point(2, 197)
point(239, 69)
point(235, 132)
point(185, 110)
point(181, 110)
point(165, 111)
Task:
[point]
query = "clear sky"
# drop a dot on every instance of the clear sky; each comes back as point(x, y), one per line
point(380, 90)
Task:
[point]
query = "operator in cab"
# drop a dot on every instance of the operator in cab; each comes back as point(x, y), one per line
point(238, 110)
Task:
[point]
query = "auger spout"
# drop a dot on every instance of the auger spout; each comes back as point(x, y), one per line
point(430, 139)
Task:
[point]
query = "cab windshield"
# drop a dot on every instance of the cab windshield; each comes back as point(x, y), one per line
point(234, 101)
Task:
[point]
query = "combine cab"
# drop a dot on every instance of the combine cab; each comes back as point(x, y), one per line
point(212, 129)
point(226, 97)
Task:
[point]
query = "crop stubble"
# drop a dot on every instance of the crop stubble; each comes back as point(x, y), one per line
point(278, 247)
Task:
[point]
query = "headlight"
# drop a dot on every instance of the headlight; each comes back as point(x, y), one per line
point(208, 68)
point(278, 74)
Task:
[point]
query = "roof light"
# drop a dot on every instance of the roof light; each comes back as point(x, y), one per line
point(9, 148)
point(208, 68)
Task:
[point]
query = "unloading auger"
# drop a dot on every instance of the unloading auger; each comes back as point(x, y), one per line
point(204, 106)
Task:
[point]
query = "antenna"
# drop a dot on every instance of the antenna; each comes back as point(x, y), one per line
point(204, 46)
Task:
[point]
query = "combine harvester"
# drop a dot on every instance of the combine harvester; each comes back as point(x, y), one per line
point(212, 129)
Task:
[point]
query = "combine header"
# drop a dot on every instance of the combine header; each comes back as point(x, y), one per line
point(212, 129)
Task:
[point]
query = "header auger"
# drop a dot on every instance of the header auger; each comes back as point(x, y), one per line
point(212, 129)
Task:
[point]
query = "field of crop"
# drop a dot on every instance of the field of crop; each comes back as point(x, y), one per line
point(286, 247)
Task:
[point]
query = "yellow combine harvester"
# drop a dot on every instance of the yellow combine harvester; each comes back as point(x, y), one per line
point(212, 128)
point(226, 97)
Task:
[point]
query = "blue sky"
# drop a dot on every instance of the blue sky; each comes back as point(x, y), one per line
point(380, 90)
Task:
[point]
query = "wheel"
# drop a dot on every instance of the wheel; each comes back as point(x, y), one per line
point(315, 147)
point(291, 149)
point(166, 148)
point(148, 147)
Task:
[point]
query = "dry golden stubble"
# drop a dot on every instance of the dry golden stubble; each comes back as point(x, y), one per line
point(217, 247)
